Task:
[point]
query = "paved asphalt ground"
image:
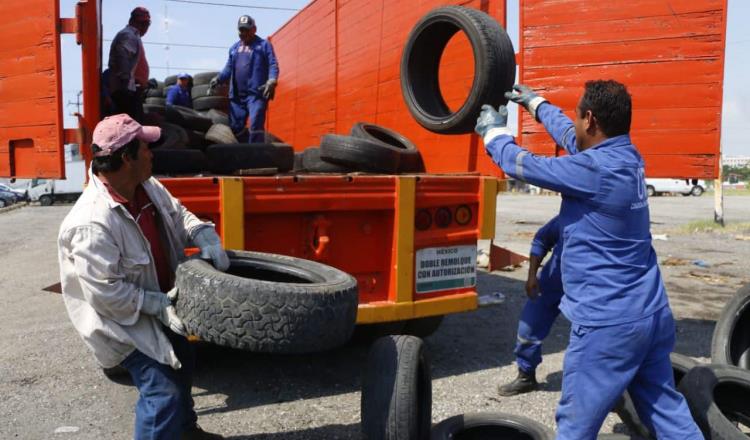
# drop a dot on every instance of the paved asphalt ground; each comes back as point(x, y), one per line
point(52, 389)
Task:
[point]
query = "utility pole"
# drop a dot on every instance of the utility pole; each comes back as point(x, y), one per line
point(77, 103)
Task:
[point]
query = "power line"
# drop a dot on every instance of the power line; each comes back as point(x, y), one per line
point(273, 8)
point(153, 43)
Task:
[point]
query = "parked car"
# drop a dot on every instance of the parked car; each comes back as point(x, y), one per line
point(21, 194)
point(686, 187)
point(7, 198)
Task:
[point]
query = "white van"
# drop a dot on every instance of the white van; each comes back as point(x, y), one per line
point(685, 187)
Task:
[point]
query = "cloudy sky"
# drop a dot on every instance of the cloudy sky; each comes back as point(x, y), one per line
point(176, 23)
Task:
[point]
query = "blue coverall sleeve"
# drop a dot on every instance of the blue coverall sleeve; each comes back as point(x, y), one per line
point(226, 72)
point(575, 175)
point(172, 95)
point(559, 126)
point(545, 238)
point(273, 65)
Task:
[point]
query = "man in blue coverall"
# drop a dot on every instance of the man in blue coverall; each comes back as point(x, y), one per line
point(180, 93)
point(539, 312)
point(253, 73)
point(622, 327)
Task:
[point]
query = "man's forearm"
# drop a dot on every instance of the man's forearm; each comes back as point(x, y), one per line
point(535, 261)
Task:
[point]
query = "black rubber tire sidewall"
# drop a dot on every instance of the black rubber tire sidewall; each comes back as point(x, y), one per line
point(155, 101)
point(410, 160)
point(494, 67)
point(170, 80)
point(359, 154)
point(203, 78)
point(203, 103)
point(397, 390)
point(449, 428)
point(730, 344)
point(265, 316)
point(187, 118)
point(228, 158)
point(312, 163)
point(220, 134)
point(172, 137)
point(178, 161)
point(699, 389)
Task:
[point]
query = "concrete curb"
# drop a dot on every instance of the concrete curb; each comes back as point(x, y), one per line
point(13, 206)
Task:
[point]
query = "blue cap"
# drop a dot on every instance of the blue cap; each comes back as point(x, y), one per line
point(182, 75)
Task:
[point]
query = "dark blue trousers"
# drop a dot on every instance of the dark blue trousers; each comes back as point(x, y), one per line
point(240, 109)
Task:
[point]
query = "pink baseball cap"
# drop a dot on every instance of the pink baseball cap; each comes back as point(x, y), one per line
point(116, 131)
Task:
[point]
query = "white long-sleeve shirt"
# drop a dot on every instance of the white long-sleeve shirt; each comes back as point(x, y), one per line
point(106, 264)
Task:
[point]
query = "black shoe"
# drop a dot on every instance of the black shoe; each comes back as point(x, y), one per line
point(197, 433)
point(524, 383)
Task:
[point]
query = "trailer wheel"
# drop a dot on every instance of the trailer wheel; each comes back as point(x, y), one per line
point(717, 396)
point(46, 200)
point(490, 425)
point(494, 68)
point(228, 158)
point(730, 344)
point(625, 408)
point(397, 390)
point(410, 161)
point(267, 303)
point(359, 154)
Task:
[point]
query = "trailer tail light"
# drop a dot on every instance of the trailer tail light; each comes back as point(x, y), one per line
point(443, 217)
point(463, 215)
point(423, 220)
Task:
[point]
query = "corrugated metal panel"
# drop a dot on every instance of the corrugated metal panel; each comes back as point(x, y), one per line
point(30, 90)
point(669, 54)
point(340, 64)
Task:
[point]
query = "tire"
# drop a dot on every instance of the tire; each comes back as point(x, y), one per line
point(187, 118)
point(170, 80)
point(3, 203)
point(203, 78)
point(172, 137)
point(397, 390)
point(410, 161)
point(297, 161)
point(203, 91)
point(216, 116)
point(650, 191)
point(697, 191)
point(730, 344)
point(268, 137)
point(46, 200)
point(423, 327)
point(625, 408)
point(155, 93)
point(494, 68)
point(220, 134)
point(228, 158)
point(312, 163)
point(208, 102)
point(368, 333)
point(156, 101)
point(118, 375)
point(490, 426)
point(717, 396)
point(359, 154)
point(159, 109)
point(180, 161)
point(197, 139)
point(267, 303)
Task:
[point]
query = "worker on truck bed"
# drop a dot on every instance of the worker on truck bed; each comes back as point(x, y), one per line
point(252, 72)
point(622, 327)
point(540, 310)
point(128, 68)
point(180, 93)
point(118, 249)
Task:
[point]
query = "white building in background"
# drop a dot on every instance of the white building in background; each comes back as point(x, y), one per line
point(736, 161)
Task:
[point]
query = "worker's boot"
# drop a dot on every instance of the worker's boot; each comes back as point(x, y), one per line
point(197, 433)
point(523, 383)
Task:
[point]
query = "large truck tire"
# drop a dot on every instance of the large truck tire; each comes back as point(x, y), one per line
point(731, 340)
point(216, 116)
point(625, 408)
point(410, 161)
point(156, 101)
point(267, 303)
point(170, 80)
point(312, 163)
point(187, 118)
point(172, 137)
point(359, 154)
point(228, 158)
point(494, 68)
point(178, 161)
point(203, 78)
point(397, 390)
point(718, 397)
point(204, 90)
point(490, 426)
point(220, 134)
point(202, 103)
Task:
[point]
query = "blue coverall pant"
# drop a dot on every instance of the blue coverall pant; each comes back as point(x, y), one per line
point(240, 109)
point(165, 403)
point(537, 317)
point(602, 362)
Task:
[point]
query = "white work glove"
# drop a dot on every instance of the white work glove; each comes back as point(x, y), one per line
point(159, 304)
point(212, 84)
point(268, 89)
point(210, 245)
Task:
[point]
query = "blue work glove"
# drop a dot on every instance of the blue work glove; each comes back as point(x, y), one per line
point(160, 305)
point(268, 89)
point(208, 241)
point(524, 96)
point(492, 123)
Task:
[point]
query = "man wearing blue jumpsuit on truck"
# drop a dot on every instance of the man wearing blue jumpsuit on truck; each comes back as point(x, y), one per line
point(622, 327)
point(252, 72)
point(539, 312)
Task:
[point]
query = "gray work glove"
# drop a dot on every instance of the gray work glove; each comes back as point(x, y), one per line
point(210, 245)
point(159, 304)
point(268, 89)
point(523, 95)
point(492, 123)
point(212, 84)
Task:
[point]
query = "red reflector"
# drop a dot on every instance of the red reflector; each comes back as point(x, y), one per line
point(423, 220)
point(443, 217)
